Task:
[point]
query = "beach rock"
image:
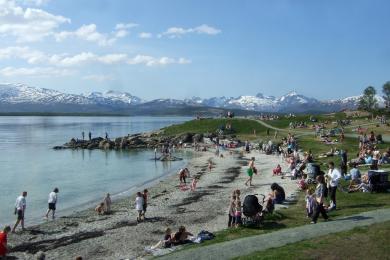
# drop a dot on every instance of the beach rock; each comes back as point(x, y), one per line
point(198, 138)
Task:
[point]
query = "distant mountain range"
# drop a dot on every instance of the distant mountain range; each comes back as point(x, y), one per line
point(23, 98)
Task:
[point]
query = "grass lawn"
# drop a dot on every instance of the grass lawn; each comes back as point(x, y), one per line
point(240, 126)
point(295, 215)
point(360, 243)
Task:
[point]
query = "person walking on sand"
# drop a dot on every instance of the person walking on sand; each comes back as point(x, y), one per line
point(20, 209)
point(145, 205)
point(3, 242)
point(52, 201)
point(139, 206)
point(250, 171)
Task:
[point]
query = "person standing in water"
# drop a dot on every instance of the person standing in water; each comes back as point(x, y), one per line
point(83, 135)
point(52, 203)
point(20, 209)
point(90, 136)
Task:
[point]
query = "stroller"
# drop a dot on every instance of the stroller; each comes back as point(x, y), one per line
point(313, 170)
point(254, 211)
point(378, 181)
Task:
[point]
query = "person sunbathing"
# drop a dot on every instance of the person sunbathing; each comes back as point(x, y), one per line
point(182, 237)
point(166, 242)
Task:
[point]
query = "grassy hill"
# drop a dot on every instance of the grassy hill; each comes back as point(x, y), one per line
point(240, 126)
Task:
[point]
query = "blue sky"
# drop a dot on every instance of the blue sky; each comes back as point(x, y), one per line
point(184, 48)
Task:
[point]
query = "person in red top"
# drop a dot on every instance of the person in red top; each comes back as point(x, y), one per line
point(3, 241)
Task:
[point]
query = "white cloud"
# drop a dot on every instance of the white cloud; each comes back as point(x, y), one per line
point(88, 33)
point(98, 78)
point(32, 56)
point(153, 61)
point(35, 71)
point(27, 24)
point(145, 35)
point(121, 33)
point(177, 32)
point(123, 26)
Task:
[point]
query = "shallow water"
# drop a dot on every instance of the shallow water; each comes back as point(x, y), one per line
point(28, 162)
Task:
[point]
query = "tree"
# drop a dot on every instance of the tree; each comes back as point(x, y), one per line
point(368, 101)
point(386, 94)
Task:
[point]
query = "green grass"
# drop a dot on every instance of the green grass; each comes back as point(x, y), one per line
point(360, 243)
point(284, 122)
point(241, 127)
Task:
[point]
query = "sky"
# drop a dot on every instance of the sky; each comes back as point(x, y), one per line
point(183, 48)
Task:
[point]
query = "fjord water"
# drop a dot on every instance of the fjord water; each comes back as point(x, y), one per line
point(28, 162)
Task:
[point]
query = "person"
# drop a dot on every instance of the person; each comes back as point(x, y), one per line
point(277, 170)
point(90, 136)
point(277, 193)
point(250, 171)
point(166, 242)
point(355, 174)
point(52, 201)
point(83, 135)
point(3, 241)
point(107, 203)
point(237, 212)
point(210, 166)
point(181, 237)
point(139, 205)
point(231, 212)
point(319, 196)
point(310, 202)
point(145, 204)
point(106, 136)
point(20, 209)
point(193, 183)
point(334, 177)
point(100, 208)
point(155, 154)
point(182, 176)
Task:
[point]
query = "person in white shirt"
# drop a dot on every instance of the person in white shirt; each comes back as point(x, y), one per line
point(139, 205)
point(20, 208)
point(52, 201)
point(334, 176)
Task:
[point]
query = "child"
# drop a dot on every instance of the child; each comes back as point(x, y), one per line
point(310, 202)
point(139, 205)
point(237, 212)
point(277, 170)
point(100, 209)
point(231, 212)
point(193, 184)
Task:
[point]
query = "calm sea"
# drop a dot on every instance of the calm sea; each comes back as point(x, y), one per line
point(28, 162)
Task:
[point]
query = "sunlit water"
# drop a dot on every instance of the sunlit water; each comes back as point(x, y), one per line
point(28, 162)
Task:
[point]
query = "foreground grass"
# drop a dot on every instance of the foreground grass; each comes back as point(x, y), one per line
point(360, 243)
point(295, 215)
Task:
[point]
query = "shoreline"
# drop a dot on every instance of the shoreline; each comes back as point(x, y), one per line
point(129, 192)
point(112, 236)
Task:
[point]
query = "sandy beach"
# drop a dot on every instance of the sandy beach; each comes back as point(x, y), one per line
point(118, 236)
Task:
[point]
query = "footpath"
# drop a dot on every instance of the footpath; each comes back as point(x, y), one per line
point(248, 245)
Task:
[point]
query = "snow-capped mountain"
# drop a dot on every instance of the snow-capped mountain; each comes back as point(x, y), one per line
point(113, 97)
point(23, 98)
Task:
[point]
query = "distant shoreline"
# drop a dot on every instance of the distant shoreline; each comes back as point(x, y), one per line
point(84, 114)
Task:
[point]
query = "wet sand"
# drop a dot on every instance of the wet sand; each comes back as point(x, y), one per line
point(118, 236)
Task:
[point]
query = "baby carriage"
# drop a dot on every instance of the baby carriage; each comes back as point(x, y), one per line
point(313, 170)
point(254, 211)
